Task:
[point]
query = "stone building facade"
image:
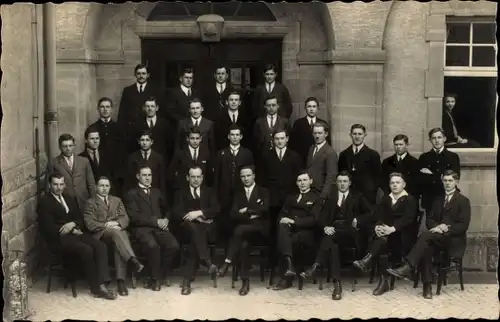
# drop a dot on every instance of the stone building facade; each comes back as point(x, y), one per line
point(378, 63)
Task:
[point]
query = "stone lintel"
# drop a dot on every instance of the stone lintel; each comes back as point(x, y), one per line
point(343, 56)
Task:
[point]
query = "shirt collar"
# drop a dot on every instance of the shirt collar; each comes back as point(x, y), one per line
point(148, 152)
point(103, 198)
point(402, 156)
point(311, 118)
point(185, 89)
point(57, 197)
point(234, 148)
point(143, 186)
point(451, 192)
point(344, 193)
point(305, 191)
point(319, 146)
point(251, 187)
point(138, 85)
point(219, 85)
point(268, 116)
point(105, 120)
point(359, 147)
point(91, 151)
point(191, 149)
point(196, 120)
point(394, 199)
point(70, 158)
point(278, 150)
point(231, 112)
point(154, 118)
point(270, 84)
point(439, 151)
point(192, 190)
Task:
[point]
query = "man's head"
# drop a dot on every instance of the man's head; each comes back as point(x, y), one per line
point(221, 74)
point(141, 73)
point(450, 100)
point(234, 101)
point(450, 180)
point(343, 181)
point(320, 132)
point(195, 108)
point(247, 175)
point(358, 134)
point(195, 176)
point(397, 183)
point(400, 142)
point(280, 138)
point(270, 73)
point(150, 107)
point(145, 140)
point(103, 186)
point(66, 144)
point(194, 137)
point(186, 77)
point(304, 181)
point(92, 138)
point(311, 105)
point(105, 107)
point(437, 138)
point(235, 134)
point(144, 175)
point(271, 105)
point(56, 183)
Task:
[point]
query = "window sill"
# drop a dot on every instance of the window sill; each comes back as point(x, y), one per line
point(480, 157)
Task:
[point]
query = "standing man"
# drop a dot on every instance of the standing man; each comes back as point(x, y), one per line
point(265, 125)
point(180, 96)
point(271, 88)
point(78, 176)
point(61, 226)
point(322, 161)
point(195, 119)
point(100, 165)
point(196, 207)
point(149, 222)
point(362, 163)
point(301, 137)
point(215, 96)
point(105, 217)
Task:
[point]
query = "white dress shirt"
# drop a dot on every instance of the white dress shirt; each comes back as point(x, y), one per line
point(302, 193)
point(148, 120)
point(311, 120)
point(271, 120)
point(448, 195)
point(197, 190)
point(401, 157)
point(186, 90)
point(141, 85)
point(196, 121)
point(221, 87)
point(148, 154)
point(318, 147)
point(341, 196)
point(282, 152)
point(62, 202)
point(359, 147)
point(192, 151)
point(394, 199)
point(93, 153)
point(105, 120)
point(248, 191)
point(234, 149)
point(69, 161)
point(270, 86)
point(439, 151)
point(235, 114)
point(104, 199)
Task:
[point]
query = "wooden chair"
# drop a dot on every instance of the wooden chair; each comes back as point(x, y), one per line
point(447, 264)
point(55, 264)
point(353, 253)
point(263, 260)
point(184, 250)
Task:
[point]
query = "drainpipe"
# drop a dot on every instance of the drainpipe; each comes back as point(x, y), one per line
point(38, 77)
point(51, 117)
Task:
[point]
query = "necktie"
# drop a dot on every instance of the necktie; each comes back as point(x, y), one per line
point(299, 198)
point(446, 200)
point(234, 152)
point(281, 154)
point(196, 123)
point(315, 150)
point(70, 163)
point(247, 193)
point(234, 118)
point(311, 123)
point(106, 201)
point(343, 200)
point(398, 159)
point(196, 195)
point(269, 88)
point(142, 88)
point(356, 150)
point(94, 157)
point(271, 122)
point(145, 155)
point(195, 155)
point(151, 124)
point(146, 190)
point(189, 92)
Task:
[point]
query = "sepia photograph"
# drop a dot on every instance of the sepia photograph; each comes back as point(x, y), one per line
point(249, 160)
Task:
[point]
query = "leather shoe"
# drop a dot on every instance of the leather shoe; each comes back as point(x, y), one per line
point(283, 284)
point(245, 287)
point(104, 293)
point(138, 266)
point(337, 291)
point(382, 287)
point(427, 291)
point(156, 285)
point(404, 272)
point(363, 263)
point(122, 288)
point(290, 271)
point(223, 269)
point(148, 283)
point(186, 287)
point(311, 271)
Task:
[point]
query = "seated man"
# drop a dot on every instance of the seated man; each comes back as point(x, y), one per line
point(196, 207)
point(61, 226)
point(149, 219)
point(342, 214)
point(447, 222)
point(297, 224)
point(105, 217)
point(249, 213)
point(394, 217)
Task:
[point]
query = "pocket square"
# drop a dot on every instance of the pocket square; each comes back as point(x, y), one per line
point(309, 203)
point(203, 161)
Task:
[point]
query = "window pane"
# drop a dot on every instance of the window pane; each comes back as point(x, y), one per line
point(458, 33)
point(483, 56)
point(483, 33)
point(225, 9)
point(198, 8)
point(473, 115)
point(457, 55)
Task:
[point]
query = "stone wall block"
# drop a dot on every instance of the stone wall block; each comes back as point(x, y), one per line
point(492, 254)
point(20, 217)
point(475, 254)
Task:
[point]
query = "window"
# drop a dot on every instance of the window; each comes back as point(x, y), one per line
point(470, 99)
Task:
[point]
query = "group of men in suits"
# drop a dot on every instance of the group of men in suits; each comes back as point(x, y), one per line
point(245, 176)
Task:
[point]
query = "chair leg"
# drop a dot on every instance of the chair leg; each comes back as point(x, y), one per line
point(234, 276)
point(372, 272)
point(353, 286)
point(134, 279)
point(461, 276)
point(73, 288)
point(445, 279)
point(262, 266)
point(271, 276)
point(321, 278)
point(49, 281)
point(301, 283)
point(440, 281)
point(392, 283)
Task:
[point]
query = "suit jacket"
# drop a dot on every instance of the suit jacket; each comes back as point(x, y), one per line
point(323, 168)
point(112, 143)
point(52, 216)
point(208, 203)
point(104, 167)
point(178, 103)
point(157, 164)
point(163, 137)
point(355, 206)
point(80, 183)
point(206, 129)
point(281, 93)
point(301, 138)
point(279, 177)
point(364, 168)
point(408, 167)
point(431, 184)
point(214, 102)
point(182, 160)
point(131, 103)
point(305, 212)
point(145, 210)
point(456, 214)
point(222, 124)
point(262, 134)
point(447, 123)
point(227, 174)
point(258, 204)
point(97, 214)
point(400, 215)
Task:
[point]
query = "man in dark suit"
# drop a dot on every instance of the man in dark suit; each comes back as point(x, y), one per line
point(196, 119)
point(448, 222)
point(180, 96)
point(394, 216)
point(149, 223)
point(453, 138)
point(100, 165)
point(79, 179)
point(215, 96)
point(264, 126)
point(342, 214)
point(226, 169)
point(432, 165)
point(105, 217)
point(297, 225)
point(195, 154)
point(161, 129)
point(61, 225)
point(146, 156)
point(362, 163)
point(234, 114)
point(271, 88)
point(250, 213)
point(196, 207)
point(322, 161)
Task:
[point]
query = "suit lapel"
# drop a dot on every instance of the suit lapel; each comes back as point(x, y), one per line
point(144, 195)
point(65, 165)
